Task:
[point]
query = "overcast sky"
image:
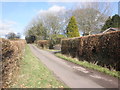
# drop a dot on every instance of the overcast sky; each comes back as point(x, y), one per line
point(15, 16)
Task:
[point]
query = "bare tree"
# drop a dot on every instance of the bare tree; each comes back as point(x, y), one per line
point(51, 21)
point(91, 16)
point(36, 28)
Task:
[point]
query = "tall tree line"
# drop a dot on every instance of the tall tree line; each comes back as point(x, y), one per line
point(90, 17)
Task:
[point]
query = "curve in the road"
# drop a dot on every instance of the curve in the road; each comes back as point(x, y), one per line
point(73, 75)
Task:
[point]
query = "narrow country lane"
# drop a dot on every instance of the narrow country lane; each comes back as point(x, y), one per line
point(72, 75)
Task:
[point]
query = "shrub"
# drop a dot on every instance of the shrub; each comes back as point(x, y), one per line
point(12, 51)
point(55, 39)
point(43, 43)
point(30, 39)
point(102, 49)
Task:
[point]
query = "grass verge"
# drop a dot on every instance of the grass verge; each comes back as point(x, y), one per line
point(33, 74)
point(90, 65)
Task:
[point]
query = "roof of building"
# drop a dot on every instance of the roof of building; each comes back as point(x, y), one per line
point(111, 29)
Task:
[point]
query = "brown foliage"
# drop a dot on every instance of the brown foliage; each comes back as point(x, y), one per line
point(102, 49)
point(43, 43)
point(12, 51)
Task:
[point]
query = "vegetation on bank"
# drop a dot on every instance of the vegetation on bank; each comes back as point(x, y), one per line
point(11, 52)
point(33, 74)
point(89, 65)
point(102, 49)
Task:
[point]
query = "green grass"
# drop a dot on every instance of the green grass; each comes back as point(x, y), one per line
point(34, 74)
point(90, 65)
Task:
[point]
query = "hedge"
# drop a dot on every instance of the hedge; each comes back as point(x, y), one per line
point(43, 43)
point(102, 49)
point(12, 51)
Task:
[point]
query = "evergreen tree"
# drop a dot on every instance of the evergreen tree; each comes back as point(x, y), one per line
point(107, 24)
point(116, 21)
point(113, 22)
point(72, 28)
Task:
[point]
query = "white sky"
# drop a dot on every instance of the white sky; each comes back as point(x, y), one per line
point(60, 0)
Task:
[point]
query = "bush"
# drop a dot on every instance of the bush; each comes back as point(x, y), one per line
point(43, 43)
point(55, 39)
point(102, 49)
point(30, 39)
point(12, 51)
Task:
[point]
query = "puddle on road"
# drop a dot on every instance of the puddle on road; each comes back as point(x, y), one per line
point(80, 69)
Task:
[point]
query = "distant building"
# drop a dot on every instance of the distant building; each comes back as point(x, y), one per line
point(110, 30)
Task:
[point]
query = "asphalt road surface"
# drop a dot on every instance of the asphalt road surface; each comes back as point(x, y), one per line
point(74, 76)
